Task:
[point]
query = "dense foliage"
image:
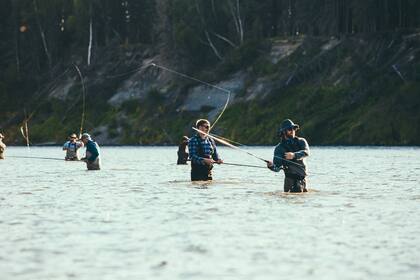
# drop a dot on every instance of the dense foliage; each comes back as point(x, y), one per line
point(39, 39)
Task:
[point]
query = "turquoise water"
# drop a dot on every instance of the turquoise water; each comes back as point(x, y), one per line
point(141, 218)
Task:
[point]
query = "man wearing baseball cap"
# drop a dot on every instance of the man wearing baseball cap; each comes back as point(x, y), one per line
point(92, 159)
point(289, 155)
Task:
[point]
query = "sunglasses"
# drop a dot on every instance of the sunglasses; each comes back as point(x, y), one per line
point(206, 126)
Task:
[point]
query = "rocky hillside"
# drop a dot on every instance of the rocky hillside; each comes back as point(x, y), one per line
point(348, 90)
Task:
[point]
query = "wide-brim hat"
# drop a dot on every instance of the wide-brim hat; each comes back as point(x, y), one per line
point(288, 124)
point(1, 136)
point(73, 135)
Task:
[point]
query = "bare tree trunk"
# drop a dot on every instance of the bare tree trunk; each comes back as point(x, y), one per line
point(235, 20)
point(225, 39)
point(241, 30)
point(216, 52)
point(16, 33)
point(17, 56)
point(209, 41)
point(213, 8)
point(90, 41)
point(41, 31)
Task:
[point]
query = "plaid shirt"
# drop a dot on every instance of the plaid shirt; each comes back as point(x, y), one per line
point(207, 148)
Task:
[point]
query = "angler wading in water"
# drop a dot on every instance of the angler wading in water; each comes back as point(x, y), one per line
point(182, 151)
point(71, 147)
point(92, 158)
point(2, 146)
point(289, 155)
point(203, 153)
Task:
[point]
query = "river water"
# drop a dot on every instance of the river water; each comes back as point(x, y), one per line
point(141, 218)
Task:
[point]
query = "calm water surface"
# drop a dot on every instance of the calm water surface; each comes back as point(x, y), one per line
point(141, 218)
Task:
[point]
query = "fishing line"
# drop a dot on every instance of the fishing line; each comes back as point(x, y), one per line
point(202, 82)
point(83, 100)
point(225, 142)
point(229, 144)
point(37, 158)
point(189, 77)
point(237, 143)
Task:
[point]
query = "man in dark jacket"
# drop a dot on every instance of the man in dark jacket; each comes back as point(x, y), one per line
point(289, 155)
point(92, 159)
point(182, 153)
point(203, 153)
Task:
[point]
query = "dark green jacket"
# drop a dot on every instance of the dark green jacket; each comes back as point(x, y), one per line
point(296, 166)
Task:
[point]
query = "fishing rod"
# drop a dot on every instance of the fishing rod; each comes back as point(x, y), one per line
point(83, 100)
point(240, 164)
point(229, 144)
point(202, 82)
point(225, 142)
point(37, 158)
point(244, 165)
point(237, 143)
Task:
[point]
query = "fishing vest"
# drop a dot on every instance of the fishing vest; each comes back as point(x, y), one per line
point(201, 148)
point(71, 150)
point(200, 151)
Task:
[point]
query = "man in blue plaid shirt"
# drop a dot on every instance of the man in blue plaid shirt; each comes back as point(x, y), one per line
point(203, 153)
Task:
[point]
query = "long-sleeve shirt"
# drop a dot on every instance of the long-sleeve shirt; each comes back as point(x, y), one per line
point(201, 148)
point(92, 151)
point(296, 166)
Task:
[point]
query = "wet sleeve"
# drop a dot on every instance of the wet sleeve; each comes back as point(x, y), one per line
point(277, 159)
point(304, 149)
point(66, 146)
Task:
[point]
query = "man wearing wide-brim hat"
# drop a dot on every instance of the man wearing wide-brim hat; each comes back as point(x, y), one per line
point(2, 146)
point(289, 155)
point(71, 147)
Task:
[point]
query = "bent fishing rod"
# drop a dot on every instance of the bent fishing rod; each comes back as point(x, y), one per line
point(240, 164)
point(243, 165)
point(38, 158)
point(202, 82)
point(225, 142)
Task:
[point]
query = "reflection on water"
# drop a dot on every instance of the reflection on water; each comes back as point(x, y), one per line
point(141, 217)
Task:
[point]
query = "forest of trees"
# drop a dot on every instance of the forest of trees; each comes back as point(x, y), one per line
point(36, 35)
point(41, 38)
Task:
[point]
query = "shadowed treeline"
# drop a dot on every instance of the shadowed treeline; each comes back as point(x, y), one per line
point(373, 42)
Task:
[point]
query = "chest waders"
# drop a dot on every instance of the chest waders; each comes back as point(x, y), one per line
point(182, 155)
point(202, 172)
point(72, 154)
point(293, 182)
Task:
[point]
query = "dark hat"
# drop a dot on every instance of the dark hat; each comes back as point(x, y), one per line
point(287, 124)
